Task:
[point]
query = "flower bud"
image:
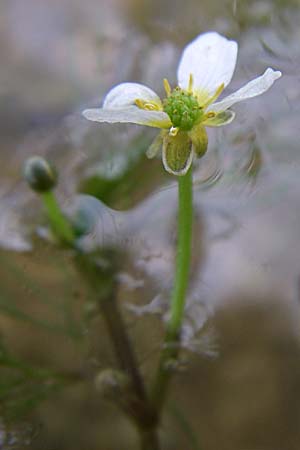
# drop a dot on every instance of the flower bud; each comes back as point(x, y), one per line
point(39, 174)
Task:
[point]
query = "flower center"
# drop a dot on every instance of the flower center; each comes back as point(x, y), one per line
point(183, 109)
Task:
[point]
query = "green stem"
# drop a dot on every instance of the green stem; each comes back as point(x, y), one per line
point(185, 221)
point(149, 440)
point(184, 243)
point(59, 224)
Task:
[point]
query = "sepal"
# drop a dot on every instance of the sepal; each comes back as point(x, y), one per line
point(177, 153)
point(199, 139)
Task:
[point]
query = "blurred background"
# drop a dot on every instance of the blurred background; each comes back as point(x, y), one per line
point(239, 385)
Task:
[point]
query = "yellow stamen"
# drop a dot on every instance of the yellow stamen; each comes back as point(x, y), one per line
point(167, 87)
point(173, 131)
point(210, 115)
point(191, 84)
point(214, 97)
point(148, 106)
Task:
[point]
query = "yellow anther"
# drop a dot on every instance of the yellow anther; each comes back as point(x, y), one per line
point(148, 106)
point(214, 97)
point(191, 84)
point(167, 87)
point(210, 115)
point(139, 103)
point(173, 131)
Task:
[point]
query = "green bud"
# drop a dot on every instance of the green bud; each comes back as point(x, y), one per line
point(39, 174)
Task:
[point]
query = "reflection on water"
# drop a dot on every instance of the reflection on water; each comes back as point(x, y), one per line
point(59, 55)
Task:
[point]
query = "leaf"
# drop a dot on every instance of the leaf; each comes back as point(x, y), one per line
point(185, 426)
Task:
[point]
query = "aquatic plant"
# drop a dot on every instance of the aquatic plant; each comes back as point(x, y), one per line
point(205, 69)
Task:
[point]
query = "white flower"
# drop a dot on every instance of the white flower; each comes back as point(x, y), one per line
point(205, 69)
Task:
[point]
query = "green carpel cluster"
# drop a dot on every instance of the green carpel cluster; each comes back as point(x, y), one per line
point(183, 109)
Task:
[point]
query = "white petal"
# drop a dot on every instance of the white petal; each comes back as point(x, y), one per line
point(125, 94)
point(252, 89)
point(131, 114)
point(211, 59)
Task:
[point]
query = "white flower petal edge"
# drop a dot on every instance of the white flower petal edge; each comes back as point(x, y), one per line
point(221, 119)
point(131, 114)
point(255, 87)
point(125, 94)
point(211, 59)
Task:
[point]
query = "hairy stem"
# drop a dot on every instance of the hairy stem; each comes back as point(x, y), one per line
point(135, 400)
point(122, 346)
point(139, 405)
point(172, 338)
